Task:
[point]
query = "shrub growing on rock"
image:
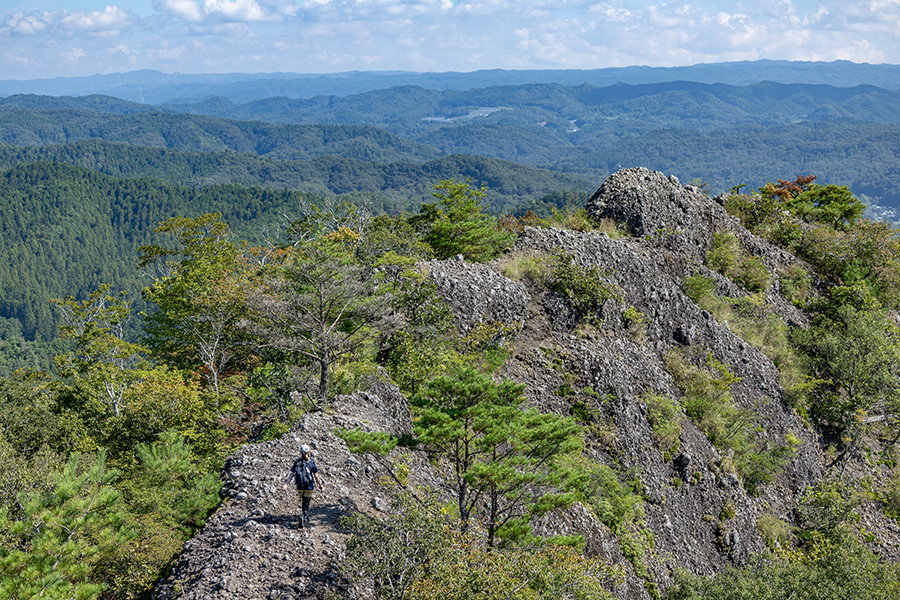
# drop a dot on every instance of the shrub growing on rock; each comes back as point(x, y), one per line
point(728, 258)
point(583, 287)
point(707, 400)
point(665, 419)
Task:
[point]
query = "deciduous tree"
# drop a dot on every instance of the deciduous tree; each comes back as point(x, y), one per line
point(199, 291)
point(321, 306)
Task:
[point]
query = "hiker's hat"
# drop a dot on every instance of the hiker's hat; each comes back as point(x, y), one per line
point(304, 449)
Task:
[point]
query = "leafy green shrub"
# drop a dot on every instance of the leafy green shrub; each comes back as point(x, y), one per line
point(857, 355)
point(795, 284)
point(728, 511)
point(867, 253)
point(754, 323)
point(348, 377)
point(412, 361)
point(565, 390)
point(826, 507)
point(635, 321)
point(774, 531)
point(465, 572)
point(583, 287)
point(698, 288)
point(891, 494)
point(620, 507)
point(708, 402)
point(760, 466)
point(728, 258)
point(752, 274)
point(415, 535)
point(665, 419)
point(834, 569)
point(724, 254)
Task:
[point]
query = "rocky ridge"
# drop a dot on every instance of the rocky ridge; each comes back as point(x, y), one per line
point(252, 546)
point(251, 549)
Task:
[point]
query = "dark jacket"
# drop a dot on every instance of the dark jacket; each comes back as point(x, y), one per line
point(295, 470)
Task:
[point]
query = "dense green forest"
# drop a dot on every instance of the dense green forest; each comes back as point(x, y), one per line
point(720, 134)
point(391, 187)
point(37, 127)
point(66, 230)
point(680, 104)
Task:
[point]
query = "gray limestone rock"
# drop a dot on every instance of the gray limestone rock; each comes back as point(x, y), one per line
point(252, 546)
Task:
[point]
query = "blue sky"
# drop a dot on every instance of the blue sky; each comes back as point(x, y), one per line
point(49, 38)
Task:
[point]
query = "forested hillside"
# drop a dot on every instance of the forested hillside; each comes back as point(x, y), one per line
point(659, 394)
point(66, 230)
point(389, 187)
point(38, 127)
point(720, 134)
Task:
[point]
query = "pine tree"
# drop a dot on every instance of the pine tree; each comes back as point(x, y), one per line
point(50, 551)
point(459, 225)
point(504, 462)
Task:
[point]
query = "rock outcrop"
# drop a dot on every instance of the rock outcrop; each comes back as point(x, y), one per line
point(700, 515)
point(687, 494)
point(252, 547)
point(477, 294)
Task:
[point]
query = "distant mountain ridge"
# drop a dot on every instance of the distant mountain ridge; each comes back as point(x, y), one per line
point(725, 135)
point(154, 87)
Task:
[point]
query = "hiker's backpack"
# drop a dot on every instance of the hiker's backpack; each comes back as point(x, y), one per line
point(303, 474)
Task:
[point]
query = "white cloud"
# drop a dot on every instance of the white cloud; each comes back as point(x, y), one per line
point(112, 19)
point(73, 56)
point(241, 11)
point(189, 10)
point(669, 17)
point(121, 50)
point(236, 10)
point(20, 23)
point(612, 13)
point(442, 35)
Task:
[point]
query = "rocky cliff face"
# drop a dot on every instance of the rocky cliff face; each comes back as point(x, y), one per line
point(251, 549)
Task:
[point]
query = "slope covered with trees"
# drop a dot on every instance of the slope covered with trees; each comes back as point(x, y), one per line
point(66, 230)
point(243, 341)
point(389, 187)
point(697, 131)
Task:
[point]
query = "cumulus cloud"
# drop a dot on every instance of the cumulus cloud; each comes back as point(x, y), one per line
point(20, 23)
point(73, 56)
point(112, 19)
point(189, 10)
point(330, 35)
point(245, 11)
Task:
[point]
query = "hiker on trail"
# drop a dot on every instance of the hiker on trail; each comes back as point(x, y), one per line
point(305, 475)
